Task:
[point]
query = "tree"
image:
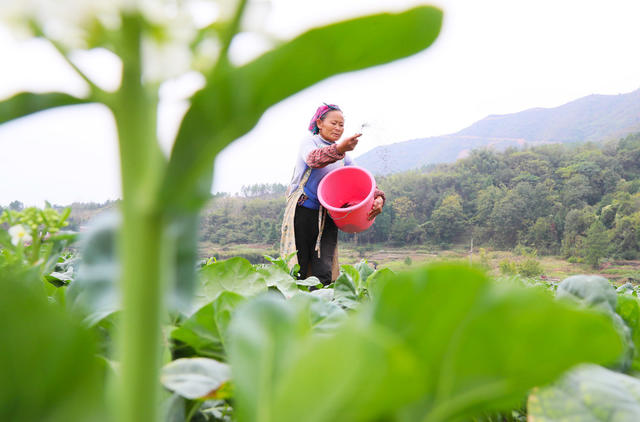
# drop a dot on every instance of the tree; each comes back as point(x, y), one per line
point(577, 191)
point(625, 240)
point(507, 219)
point(576, 224)
point(596, 243)
point(405, 228)
point(608, 215)
point(543, 235)
point(448, 221)
point(16, 206)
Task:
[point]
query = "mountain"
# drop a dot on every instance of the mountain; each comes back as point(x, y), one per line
point(591, 118)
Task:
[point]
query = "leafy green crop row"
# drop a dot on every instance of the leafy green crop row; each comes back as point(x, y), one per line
point(439, 343)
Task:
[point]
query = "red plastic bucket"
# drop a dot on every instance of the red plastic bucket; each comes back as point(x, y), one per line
point(347, 194)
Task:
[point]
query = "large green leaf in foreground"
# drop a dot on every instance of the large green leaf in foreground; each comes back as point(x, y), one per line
point(482, 346)
point(628, 308)
point(437, 344)
point(283, 373)
point(597, 293)
point(589, 393)
point(48, 367)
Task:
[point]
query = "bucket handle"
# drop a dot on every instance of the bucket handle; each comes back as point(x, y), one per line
point(343, 217)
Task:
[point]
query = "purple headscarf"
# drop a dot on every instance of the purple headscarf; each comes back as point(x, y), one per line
point(320, 112)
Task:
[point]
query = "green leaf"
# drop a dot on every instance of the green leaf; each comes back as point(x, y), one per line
point(377, 280)
point(309, 281)
point(174, 408)
point(49, 369)
point(205, 330)
point(283, 373)
point(185, 228)
point(325, 294)
point(276, 277)
point(232, 275)
point(26, 103)
point(629, 309)
point(486, 345)
point(589, 393)
point(344, 291)
point(281, 262)
point(234, 98)
point(60, 279)
point(262, 339)
point(360, 373)
point(95, 293)
point(437, 344)
point(593, 290)
point(597, 293)
point(354, 276)
point(56, 244)
point(323, 316)
point(364, 269)
point(195, 378)
point(626, 288)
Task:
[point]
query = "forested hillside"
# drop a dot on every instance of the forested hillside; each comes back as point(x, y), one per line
point(557, 199)
point(591, 118)
point(249, 219)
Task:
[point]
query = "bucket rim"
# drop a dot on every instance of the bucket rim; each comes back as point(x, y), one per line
point(346, 168)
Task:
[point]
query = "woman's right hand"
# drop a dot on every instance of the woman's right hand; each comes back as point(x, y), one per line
point(348, 144)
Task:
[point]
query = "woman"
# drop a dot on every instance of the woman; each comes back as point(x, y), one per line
point(307, 228)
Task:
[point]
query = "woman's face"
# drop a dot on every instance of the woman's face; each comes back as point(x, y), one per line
point(332, 126)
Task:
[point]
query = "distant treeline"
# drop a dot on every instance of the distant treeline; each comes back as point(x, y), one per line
point(557, 199)
point(581, 201)
point(574, 200)
point(236, 219)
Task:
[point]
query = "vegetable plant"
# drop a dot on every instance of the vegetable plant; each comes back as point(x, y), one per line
point(163, 195)
point(33, 243)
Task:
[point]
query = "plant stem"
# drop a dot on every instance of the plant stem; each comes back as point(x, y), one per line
point(35, 245)
point(140, 338)
point(142, 240)
point(229, 33)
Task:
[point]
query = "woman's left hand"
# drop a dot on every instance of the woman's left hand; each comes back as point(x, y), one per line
point(376, 208)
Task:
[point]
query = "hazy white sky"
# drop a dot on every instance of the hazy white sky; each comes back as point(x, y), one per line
point(492, 57)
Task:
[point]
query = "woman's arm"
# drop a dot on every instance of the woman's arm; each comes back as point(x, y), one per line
point(321, 157)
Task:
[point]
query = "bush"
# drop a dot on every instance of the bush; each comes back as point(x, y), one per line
point(484, 259)
point(522, 250)
point(530, 268)
point(508, 267)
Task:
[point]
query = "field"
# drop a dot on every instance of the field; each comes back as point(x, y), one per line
point(249, 325)
point(398, 259)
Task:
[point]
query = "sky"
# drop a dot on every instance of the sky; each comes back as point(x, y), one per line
point(492, 57)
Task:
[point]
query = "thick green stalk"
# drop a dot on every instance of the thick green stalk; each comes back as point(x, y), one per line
point(142, 240)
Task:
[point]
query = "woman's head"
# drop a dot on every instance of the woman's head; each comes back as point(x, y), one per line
point(328, 122)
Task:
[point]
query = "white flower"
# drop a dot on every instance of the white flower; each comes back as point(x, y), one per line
point(19, 234)
point(64, 21)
